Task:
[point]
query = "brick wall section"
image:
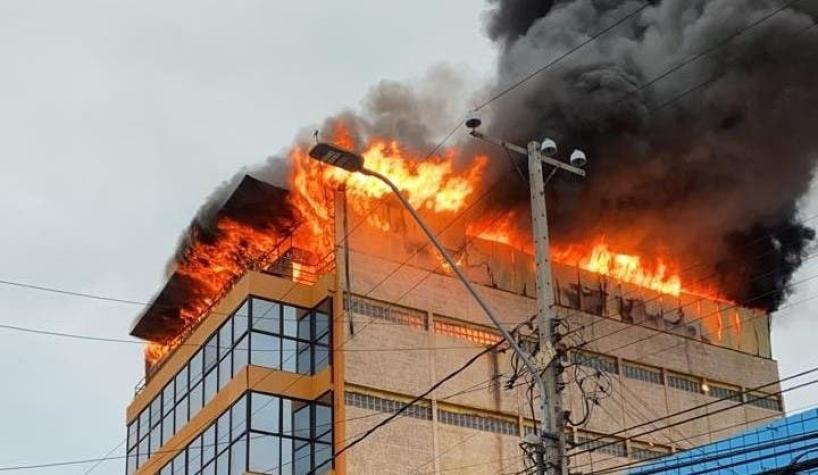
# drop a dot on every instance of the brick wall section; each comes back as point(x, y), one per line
point(410, 372)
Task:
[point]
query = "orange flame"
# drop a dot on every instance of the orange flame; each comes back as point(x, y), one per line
point(429, 183)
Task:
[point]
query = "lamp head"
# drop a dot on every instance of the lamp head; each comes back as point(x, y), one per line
point(337, 157)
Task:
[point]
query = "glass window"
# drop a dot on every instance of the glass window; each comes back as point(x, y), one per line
point(323, 458)
point(194, 455)
point(209, 444)
point(167, 428)
point(286, 456)
point(156, 439)
point(292, 320)
point(323, 423)
point(195, 399)
point(287, 416)
point(264, 412)
point(211, 353)
point(241, 354)
point(166, 470)
point(321, 358)
point(179, 463)
point(225, 338)
point(156, 412)
point(210, 386)
point(209, 469)
point(223, 463)
point(265, 350)
point(224, 371)
point(288, 357)
point(240, 321)
point(304, 358)
point(266, 316)
point(322, 327)
point(196, 368)
point(304, 327)
point(238, 456)
point(301, 419)
point(133, 433)
point(167, 398)
point(131, 462)
point(181, 383)
point(143, 451)
point(238, 418)
point(302, 457)
point(181, 414)
point(223, 432)
point(264, 453)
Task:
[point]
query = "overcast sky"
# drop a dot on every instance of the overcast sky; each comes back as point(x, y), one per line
point(118, 118)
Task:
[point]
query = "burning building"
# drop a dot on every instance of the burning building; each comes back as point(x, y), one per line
point(304, 307)
point(297, 319)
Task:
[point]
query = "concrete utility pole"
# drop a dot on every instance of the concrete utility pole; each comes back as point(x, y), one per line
point(337, 157)
point(552, 439)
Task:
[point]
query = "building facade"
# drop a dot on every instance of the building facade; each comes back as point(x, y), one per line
point(289, 374)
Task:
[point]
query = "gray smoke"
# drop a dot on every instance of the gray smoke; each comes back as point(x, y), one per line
point(708, 164)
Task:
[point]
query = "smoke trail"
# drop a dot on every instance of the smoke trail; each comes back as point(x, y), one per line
point(723, 166)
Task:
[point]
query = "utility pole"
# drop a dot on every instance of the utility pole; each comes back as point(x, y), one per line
point(551, 453)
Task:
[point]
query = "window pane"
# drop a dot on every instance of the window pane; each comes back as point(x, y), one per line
point(156, 413)
point(196, 368)
point(238, 456)
point(321, 325)
point(132, 433)
point(286, 456)
point(179, 464)
point(240, 354)
point(194, 455)
point(211, 353)
point(209, 444)
point(238, 418)
point(292, 320)
point(167, 398)
point(264, 453)
point(323, 423)
point(240, 321)
point(224, 371)
point(195, 399)
point(288, 358)
point(266, 316)
point(223, 432)
point(323, 457)
point(225, 338)
point(131, 463)
point(210, 386)
point(223, 463)
point(143, 451)
point(304, 326)
point(265, 350)
point(156, 439)
point(287, 416)
point(181, 383)
point(167, 427)
point(144, 423)
point(166, 470)
point(321, 357)
point(302, 458)
point(301, 419)
point(210, 469)
point(304, 363)
point(264, 412)
point(181, 414)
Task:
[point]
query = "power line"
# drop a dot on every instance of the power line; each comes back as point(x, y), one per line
point(571, 51)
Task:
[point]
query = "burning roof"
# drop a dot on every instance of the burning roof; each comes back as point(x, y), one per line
point(249, 230)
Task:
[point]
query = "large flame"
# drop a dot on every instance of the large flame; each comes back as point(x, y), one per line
point(433, 184)
point(659, 273)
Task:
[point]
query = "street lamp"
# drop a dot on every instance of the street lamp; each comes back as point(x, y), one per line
point(338, 157)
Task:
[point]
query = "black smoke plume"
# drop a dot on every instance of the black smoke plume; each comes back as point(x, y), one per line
point(707, 164)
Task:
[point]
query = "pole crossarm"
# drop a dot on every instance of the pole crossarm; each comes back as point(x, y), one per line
point(523, 151)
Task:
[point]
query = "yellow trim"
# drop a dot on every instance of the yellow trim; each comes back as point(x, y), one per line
point(252, 283)
point(251, 378)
